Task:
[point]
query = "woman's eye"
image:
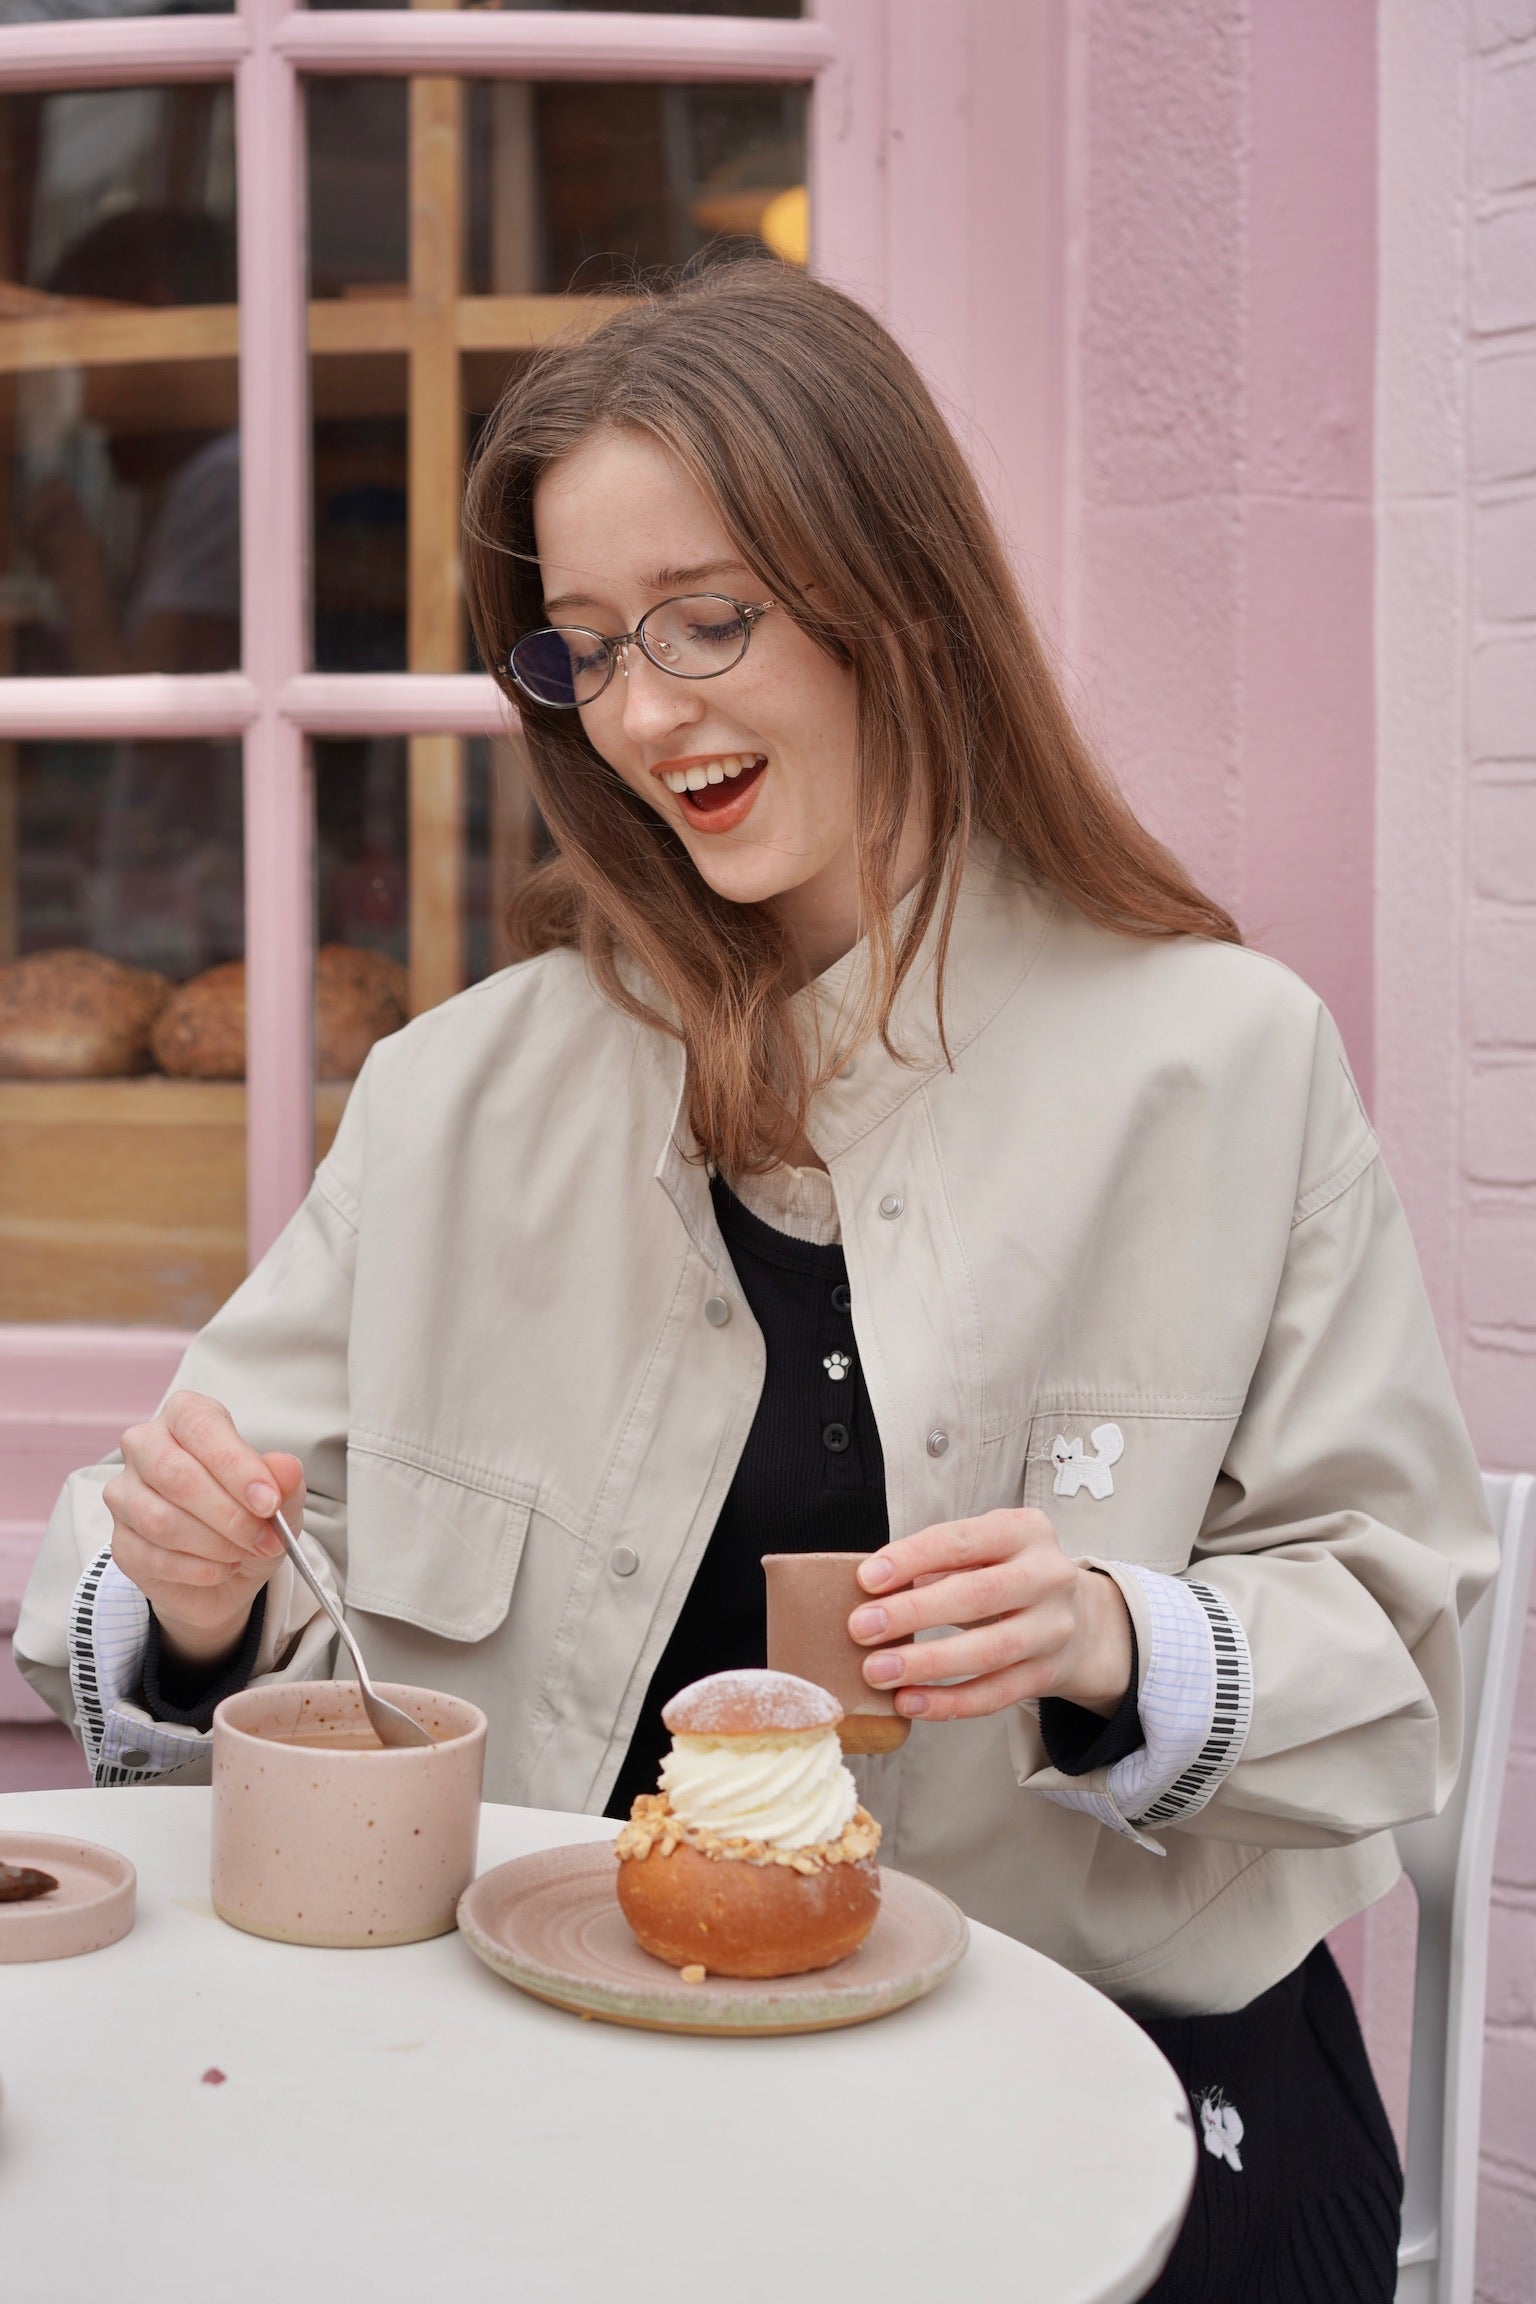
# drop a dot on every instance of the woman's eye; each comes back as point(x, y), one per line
point(588, 660)
point(715, 635)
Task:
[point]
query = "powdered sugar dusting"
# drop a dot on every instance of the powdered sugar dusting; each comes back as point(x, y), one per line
point(750, 1704)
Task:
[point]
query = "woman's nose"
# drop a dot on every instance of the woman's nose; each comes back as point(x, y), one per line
point(654, 701)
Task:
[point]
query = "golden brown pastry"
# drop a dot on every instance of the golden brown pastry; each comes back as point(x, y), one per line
point(72, 1015)
point(200, 1034)
point(359, 997)
point(754, 1858)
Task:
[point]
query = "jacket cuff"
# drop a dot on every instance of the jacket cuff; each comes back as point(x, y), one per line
point(1195, 1702)
point(108, 1634)
point(1200, 1710)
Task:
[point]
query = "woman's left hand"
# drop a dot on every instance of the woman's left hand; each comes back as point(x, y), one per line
point(1031, 1621)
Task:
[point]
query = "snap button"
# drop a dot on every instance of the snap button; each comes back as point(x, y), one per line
point(846, 1071)
point(892, 1205)
point(842, 1297)
point(623, 1560)
point(135, 1758)
point(937, 1443)
point(717, 1311)
point(834, 1437)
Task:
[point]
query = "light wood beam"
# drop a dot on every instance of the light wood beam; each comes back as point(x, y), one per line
point(434, 621)
point(129, 335)
point(512, 827)
point(516, 323)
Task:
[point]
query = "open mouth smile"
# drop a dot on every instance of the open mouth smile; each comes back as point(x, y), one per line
point(714, 793)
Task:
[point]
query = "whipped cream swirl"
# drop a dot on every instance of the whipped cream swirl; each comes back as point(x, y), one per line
point(785, 1792)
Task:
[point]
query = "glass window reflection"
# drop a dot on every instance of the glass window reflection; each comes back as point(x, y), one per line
point(534, 204)
point(122, 1133)
point(419, 846)
point(119, 447)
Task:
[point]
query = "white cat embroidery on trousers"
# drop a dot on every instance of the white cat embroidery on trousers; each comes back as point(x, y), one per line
point(1074, 1470)
point(1221, 2128)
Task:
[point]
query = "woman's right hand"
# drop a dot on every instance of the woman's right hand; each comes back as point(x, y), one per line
point(192, 1522)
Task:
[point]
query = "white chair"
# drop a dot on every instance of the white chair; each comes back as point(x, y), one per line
point(1449, 1859)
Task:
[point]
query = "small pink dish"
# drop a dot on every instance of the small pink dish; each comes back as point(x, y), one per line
point(322, 1835)
point(92, 1906)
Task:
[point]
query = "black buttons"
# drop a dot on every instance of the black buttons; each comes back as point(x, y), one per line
point(842, 1297)
point(834, 1438)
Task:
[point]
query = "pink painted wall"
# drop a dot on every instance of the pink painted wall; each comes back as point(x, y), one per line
point(1456, 797)
point(1220, 525)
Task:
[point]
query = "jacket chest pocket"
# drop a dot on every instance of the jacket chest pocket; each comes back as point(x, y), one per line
point(436, 1548)
point(1125, 1484)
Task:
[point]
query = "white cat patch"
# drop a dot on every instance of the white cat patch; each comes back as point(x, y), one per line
point(1074, 1470)
point(1221, 2129)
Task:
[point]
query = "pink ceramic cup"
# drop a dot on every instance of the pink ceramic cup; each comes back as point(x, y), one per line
point(326, 1844)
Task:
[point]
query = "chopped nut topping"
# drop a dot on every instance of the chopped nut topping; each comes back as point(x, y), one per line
point(652, 1825)
point(693, 1973)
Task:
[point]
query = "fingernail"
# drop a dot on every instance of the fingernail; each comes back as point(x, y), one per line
point(262, 1498)
point(875, 1574)
point(884, 1668)
point(865, 1623)
point(271, 1543)
point(911, 1701)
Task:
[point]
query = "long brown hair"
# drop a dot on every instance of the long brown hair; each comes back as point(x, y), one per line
point(845, 494)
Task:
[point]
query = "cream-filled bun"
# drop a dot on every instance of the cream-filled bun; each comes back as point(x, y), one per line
point(754, 1858)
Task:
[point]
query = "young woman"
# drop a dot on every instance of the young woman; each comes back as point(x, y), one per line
point(884, 1147)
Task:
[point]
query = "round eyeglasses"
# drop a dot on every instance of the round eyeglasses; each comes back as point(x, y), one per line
point(695, 637)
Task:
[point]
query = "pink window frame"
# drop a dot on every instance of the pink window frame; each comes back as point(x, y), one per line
point(273, 703)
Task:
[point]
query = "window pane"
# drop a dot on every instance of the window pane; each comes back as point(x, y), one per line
point(62, 11)
point(122, 1113)
point(530, 200)
point(119, 453)
point(419, 843)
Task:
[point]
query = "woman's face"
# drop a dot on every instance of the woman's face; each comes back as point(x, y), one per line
point(620, 525)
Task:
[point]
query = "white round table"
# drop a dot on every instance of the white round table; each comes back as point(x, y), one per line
point(401, 2127)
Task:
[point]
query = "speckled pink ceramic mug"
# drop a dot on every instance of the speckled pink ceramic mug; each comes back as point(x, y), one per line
point(332, 1839)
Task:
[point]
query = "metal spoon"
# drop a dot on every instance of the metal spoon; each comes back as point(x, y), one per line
point(389, 1723)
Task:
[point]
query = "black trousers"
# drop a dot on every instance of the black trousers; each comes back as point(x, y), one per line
point(1298, 2192)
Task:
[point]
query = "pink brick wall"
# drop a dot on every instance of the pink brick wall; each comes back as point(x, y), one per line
point(1496, 1317)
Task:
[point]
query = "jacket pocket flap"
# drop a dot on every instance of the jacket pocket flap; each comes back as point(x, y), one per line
point(434, 1548)
point(1119, 1484)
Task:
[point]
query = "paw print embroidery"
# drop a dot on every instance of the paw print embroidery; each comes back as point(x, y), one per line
point(1221, 2128)
point(837, 1365)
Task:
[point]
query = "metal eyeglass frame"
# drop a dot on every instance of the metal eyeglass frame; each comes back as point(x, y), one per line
point(748, 611)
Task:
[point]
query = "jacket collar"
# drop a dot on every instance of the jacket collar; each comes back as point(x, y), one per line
point(1002, 919)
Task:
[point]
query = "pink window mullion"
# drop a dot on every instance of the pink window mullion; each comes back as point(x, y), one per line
point(120, 51)
point(274, 401)
point(548, 44)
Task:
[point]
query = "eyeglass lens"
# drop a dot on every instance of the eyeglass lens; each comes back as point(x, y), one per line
point(693, 637)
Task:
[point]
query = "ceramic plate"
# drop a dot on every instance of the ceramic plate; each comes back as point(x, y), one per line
point(551, 1924)
point(91, 1906)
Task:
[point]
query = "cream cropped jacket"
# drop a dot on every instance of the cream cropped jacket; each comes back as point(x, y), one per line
point(1141, 1192)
